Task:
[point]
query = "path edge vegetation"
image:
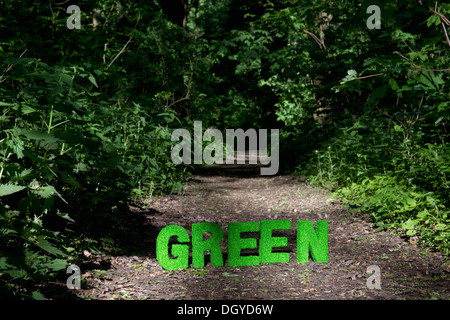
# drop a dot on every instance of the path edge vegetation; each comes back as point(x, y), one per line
point(86, 115)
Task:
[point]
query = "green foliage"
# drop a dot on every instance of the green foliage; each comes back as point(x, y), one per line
point(67, 158)
point(401, 206)
point(387, 152)
point(358, 108)
point(72, 149)
point(86, 115)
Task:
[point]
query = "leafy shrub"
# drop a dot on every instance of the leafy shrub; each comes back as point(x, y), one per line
point(395, 205)
point(68, 164)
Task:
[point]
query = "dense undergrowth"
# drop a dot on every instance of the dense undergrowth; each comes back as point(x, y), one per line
point(75, 146)
point(87, 114)
point(392, 160)
point(409, 193)
point(363, 112)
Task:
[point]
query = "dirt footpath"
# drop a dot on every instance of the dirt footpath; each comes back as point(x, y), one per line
point(239, 195)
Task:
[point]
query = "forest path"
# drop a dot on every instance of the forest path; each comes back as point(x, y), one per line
point(237, 193)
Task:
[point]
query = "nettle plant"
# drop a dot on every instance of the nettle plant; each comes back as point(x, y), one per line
point(405, 123)
point(70, 157)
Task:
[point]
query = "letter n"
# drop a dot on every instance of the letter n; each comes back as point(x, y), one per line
point(310, 241)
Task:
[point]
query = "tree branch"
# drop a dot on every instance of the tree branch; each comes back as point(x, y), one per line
point(443, 20)
point(319, 41)
point(126, 44)
point(445, 32)
point(370, 76)
point(188, 86)
point(438, 70)
point(10, 67)
point(120, 52)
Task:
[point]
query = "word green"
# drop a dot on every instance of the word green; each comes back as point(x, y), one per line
point(308, 241)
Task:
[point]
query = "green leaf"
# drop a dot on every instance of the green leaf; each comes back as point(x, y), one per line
point(36, 295)
point(36, 135)
point(411, 202)
point(4, 265)
point(58, 264)
point(65, 216)
point(433, 19)
point(4, 232)
point(351, 75)
point(45, 192)
point(27, 109)
point(20, 61)
point(439, 120)
point(92, 80)
point(394, 84)
point(66, 79)
point(17, 145)
point(7, 189)
point(408, 225)
point(48, 247)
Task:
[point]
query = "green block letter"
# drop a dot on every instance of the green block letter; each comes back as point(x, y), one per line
point(267, 242)
point(308, 240)
point(236, 243)
point(180, 251)
point(199, 246)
